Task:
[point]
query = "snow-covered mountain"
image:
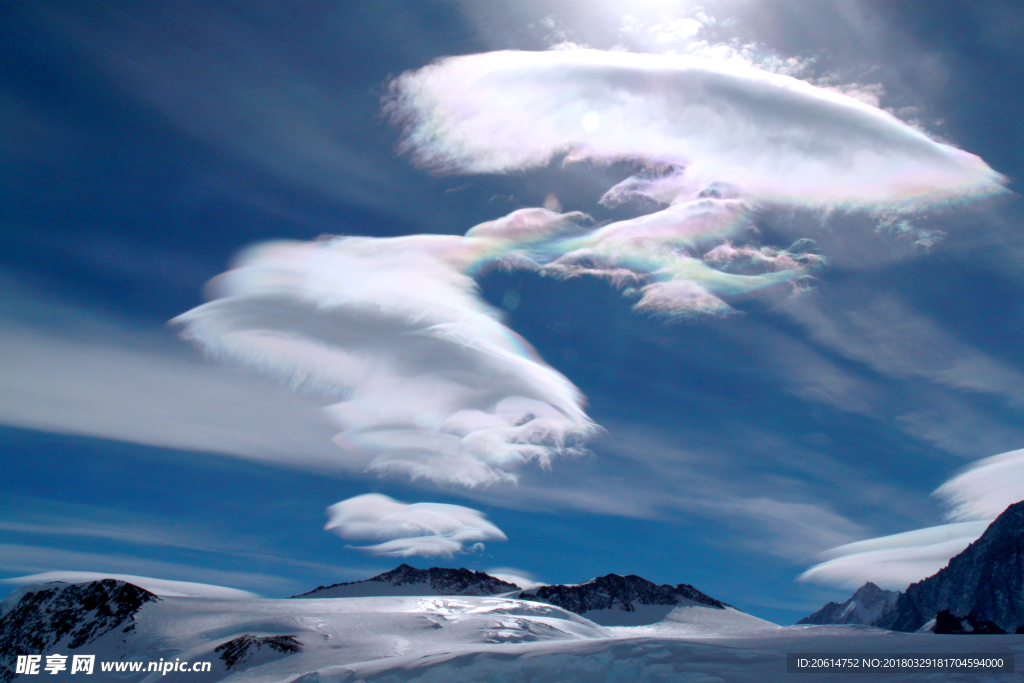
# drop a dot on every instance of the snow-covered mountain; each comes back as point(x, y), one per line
point(406, 580)
point(615, 600)
point(58, 616)
point(868, 606)
point(455, 639)
point(985, 582)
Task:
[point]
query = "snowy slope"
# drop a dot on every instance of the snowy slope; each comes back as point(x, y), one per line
point(462, 639)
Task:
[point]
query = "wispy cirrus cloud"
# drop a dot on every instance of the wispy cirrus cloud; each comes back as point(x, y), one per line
point(658, 475)
point(406, 530)
point(895, 340)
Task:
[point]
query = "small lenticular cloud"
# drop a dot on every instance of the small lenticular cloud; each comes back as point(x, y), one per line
point(524, 580)
point(404, 530)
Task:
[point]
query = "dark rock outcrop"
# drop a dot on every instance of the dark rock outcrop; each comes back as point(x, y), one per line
point(241, 649)
point(948, 623)
point(870, 605)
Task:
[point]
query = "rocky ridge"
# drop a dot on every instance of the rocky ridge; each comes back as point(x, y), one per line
point(241, 649)
point(614, 592)
point(868, 606)
point(441, 581)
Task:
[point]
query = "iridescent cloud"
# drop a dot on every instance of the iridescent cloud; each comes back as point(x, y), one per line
point(714, 140)
point(425, 378)
point(771, 136)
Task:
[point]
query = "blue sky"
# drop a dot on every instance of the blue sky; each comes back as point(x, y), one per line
point(145, 147)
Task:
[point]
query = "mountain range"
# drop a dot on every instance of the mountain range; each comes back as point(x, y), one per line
point(455, 620)
point(460, 626)
point(610, 600)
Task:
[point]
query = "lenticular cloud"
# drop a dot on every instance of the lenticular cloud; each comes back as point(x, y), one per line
point(404, 530)
point(986, 488)
point(432, 383)
point(895, 561)
point(976, 497)
point(772, 136)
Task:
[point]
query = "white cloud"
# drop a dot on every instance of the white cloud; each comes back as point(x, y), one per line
point(976, 497)
point(895, 561)
point(434, 385)
point(524, 580)
point(773, 136)
point(165, 587)
point(986, 488)
point(405, 530)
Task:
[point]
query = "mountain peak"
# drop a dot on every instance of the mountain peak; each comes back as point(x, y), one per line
point(869, 605)
point(68, 614)
point(407, 580)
